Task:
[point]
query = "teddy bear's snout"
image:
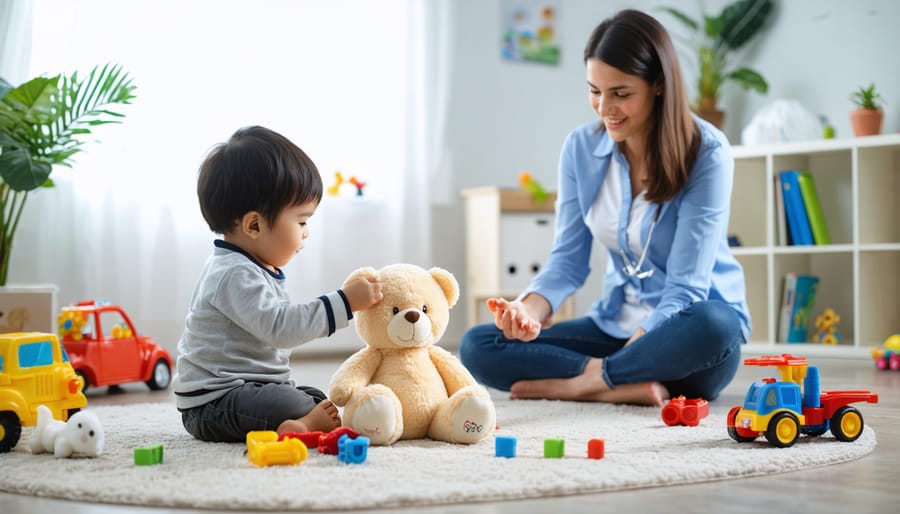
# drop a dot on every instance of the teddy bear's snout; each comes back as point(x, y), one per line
point(412, 316)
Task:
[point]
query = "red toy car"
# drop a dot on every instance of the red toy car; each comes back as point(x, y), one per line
point(105, 349)
point(683, 411)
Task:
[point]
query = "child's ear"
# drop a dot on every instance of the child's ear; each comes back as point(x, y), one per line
point(250, 224)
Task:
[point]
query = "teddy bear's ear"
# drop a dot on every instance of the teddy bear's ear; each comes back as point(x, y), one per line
point(367, 272)
point(448, 284)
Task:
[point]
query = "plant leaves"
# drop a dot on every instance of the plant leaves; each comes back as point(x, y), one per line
point(741, 20)
point(19, 171)
point(749, 79)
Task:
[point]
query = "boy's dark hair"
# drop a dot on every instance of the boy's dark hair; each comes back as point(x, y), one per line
point(257, 169)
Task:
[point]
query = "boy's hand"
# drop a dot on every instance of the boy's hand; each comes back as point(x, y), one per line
point(362, 293)
point(514, 319)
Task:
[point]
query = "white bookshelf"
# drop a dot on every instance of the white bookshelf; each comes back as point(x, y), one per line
point(858, 183)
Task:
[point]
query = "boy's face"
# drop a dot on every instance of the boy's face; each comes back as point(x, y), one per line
point(280, 242)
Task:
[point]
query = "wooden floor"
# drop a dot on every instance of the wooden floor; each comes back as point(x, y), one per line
point(870, 484)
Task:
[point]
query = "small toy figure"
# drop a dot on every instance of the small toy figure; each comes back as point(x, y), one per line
point(82, 434)
point(358, 184)
point(531, 185)
point(335, 188)
point(826, 328)
point(683, 411)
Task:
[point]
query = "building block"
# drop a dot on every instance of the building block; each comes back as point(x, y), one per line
point(352, 451)
point(683, 411)
point(554, 448)
point(264, 449)
point(148, 455)
point(505, 446)
point(596, 448)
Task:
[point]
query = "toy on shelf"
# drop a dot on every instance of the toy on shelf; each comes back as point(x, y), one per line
point(335, 188)
point(826, 328)
point(532, 186)
point(81, 434)
point(888, 355)
point(265, 449)
point(782, 410)
point(358, 184)
point(34, 368)
point(106, 350)
point(682, 411)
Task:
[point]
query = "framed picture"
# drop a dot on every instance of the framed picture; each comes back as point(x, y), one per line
point(529, 31)
point(28, 309)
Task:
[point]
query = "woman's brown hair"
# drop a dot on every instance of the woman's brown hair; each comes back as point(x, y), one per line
point(635, 43)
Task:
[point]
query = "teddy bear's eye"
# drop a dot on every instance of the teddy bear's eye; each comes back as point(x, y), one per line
point(425, 309)
point(396, 310)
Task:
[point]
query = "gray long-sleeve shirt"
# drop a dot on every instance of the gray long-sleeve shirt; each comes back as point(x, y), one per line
point(241, 327)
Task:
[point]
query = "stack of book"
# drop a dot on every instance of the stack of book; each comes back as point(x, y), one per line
point(799, 212)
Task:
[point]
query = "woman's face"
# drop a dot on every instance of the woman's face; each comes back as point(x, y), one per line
point(624, 102)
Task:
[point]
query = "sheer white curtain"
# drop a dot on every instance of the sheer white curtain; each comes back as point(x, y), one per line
point(340, 78)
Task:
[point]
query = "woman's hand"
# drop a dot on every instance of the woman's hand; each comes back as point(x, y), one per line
point(514, 319)
point(637, 333)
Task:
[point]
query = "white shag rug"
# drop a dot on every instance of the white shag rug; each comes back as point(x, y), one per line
point(641, 451)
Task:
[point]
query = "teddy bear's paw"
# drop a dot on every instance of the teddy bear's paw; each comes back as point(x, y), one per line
point(472, 420)
point(376, 419)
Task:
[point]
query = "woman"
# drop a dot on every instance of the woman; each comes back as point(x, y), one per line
point(652, 183)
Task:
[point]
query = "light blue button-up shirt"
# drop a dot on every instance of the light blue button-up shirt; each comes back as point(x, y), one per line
point(688, 251)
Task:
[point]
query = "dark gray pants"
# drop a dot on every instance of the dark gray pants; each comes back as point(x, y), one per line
point(252, 406)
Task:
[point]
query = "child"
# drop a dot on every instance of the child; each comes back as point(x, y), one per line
point(233, 370)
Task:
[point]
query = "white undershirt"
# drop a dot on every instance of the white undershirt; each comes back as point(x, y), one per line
point(603, 221)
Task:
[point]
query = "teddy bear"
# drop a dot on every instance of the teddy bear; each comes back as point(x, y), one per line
point(82, 434)
point(402, 386)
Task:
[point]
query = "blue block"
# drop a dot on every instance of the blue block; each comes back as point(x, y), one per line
point(505, 446)
point(353, 451)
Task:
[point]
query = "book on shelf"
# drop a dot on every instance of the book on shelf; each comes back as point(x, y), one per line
point(795, 209)
point(797, 300)
point(813, 208)
point(781, 229)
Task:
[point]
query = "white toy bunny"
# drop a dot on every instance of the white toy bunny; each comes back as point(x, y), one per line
point(82, 434)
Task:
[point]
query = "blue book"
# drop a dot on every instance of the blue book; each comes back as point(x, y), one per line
point(795, 209)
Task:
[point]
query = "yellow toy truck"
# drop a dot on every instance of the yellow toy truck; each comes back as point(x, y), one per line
point(34, 370)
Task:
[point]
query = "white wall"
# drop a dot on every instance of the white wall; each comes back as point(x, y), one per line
point(506, 117)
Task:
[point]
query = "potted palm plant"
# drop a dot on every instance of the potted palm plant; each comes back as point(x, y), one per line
point(866, 119)
point(713, 43)
point(42, 123)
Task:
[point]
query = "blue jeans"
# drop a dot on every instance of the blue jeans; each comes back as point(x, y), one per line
point(695, 352)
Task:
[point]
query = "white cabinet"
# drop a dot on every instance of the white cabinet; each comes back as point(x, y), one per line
point(508, 238)
point(858, 183)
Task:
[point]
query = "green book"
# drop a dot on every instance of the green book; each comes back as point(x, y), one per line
point(813, 208)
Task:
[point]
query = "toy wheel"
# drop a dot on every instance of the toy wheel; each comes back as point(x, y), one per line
point(784, 429)
point(670, 415)
point(814, 432)
point(847, 424)
point(10, 431)
point(690, 415)
point(733, 430)
point(161, 376)
point(84, 381)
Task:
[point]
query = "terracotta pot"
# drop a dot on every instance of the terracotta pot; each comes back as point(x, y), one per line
point(707, 110)
point(866, 122)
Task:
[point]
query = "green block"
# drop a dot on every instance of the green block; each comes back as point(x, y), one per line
point(148, 455)
point(554, 448)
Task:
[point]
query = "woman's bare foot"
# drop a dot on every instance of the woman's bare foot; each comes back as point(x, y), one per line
point(323, 418)
point(590, 386)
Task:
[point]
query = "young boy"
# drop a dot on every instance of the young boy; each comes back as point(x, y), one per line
point(233, 369)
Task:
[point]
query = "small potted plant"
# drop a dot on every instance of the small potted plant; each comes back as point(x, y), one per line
point(866, 119)
point(42, 123)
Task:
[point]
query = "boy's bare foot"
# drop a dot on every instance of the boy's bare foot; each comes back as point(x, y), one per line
point(590, 386)
point(323, 418)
